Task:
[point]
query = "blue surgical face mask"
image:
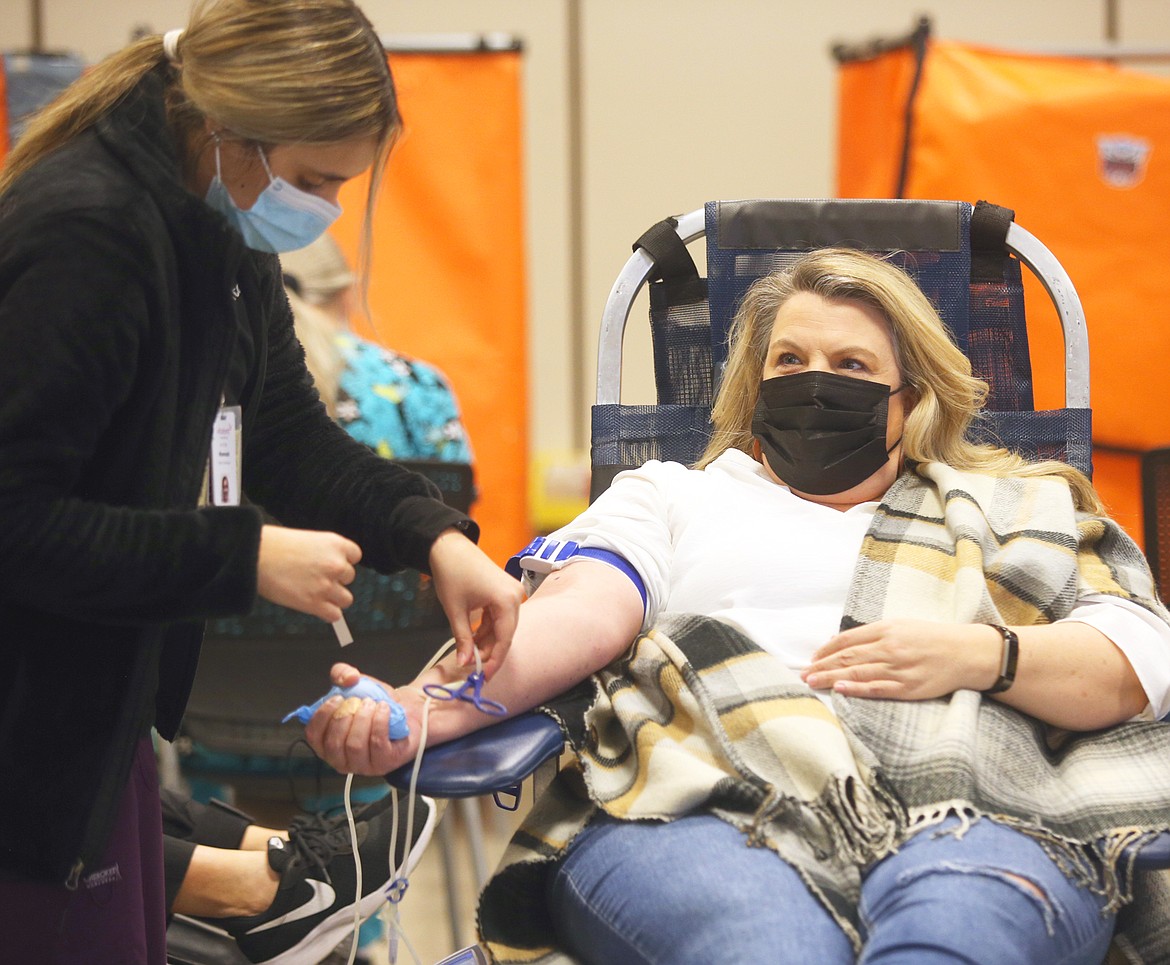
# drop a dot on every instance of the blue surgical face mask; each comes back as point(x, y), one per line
point(283, 218)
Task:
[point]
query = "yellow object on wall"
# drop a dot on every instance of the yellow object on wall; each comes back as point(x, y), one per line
point(558, 488)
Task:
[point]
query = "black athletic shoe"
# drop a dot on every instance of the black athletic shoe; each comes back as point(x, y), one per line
point(314, 905)
point(318, 821)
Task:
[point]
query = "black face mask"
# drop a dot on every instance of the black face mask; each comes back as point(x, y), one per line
point(823, 433)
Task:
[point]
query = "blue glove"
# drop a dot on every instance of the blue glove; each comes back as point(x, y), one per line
point(365, 687)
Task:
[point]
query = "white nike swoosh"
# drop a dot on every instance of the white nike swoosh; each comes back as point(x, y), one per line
point(323, 897)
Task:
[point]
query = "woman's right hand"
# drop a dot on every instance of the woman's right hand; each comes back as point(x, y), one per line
point(307, 570)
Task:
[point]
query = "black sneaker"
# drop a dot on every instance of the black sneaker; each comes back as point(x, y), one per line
point(317, 821)
point(314, 905)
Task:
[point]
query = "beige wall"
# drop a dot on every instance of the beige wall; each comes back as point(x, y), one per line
point(682, 101)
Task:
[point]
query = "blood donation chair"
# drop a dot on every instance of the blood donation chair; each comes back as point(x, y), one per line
point(966, 257)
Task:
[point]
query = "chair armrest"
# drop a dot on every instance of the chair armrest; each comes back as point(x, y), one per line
point(495, 758)
point(1154, 855)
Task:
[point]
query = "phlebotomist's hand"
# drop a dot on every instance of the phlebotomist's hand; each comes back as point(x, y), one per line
point(307, 570)
point(471, 587)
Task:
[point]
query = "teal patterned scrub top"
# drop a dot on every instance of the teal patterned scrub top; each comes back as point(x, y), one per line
point(401, 408)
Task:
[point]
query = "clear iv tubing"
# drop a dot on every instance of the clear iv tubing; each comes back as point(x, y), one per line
point(396, 872)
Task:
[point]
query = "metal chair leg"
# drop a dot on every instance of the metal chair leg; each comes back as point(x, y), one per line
point(451, 877)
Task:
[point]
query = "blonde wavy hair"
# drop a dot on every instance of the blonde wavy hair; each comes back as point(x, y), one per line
point(947, 397)
point(270, 72)
point(316, 332)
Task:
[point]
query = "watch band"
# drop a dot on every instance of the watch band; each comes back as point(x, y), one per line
point(1007, 666)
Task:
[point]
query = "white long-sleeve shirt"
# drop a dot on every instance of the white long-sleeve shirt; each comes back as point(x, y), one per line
point(730, 543)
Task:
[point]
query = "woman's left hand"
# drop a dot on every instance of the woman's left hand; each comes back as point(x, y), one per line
point(907, 660)
point(352, 735)
point(472, 588)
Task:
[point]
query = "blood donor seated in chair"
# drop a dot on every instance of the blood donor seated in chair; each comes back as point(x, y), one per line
point(844, 667)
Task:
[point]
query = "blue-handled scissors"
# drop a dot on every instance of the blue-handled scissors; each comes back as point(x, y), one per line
point(470, 690)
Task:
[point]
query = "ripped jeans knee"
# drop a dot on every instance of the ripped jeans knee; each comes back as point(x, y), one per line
point(987, 896)
point(957, 878)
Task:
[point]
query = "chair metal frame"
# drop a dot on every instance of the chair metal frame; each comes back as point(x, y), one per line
point(691, 226)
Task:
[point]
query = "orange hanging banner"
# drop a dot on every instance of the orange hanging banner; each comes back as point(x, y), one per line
point(1080, 150)
point(872, 98)
point(447, 275)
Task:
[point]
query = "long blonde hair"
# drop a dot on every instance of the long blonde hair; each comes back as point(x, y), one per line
point(947, 397)
point(269, 71)
point(316, 332)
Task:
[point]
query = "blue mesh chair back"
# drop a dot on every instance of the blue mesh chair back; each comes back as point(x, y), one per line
point(957, 253)
point(32, 80)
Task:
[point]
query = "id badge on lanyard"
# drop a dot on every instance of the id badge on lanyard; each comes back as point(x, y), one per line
point(224, 459)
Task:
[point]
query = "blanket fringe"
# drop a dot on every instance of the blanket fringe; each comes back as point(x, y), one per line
point(867, 821)
point(850, 823)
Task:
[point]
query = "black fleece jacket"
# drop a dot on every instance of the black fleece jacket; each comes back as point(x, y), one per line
point(121, 295)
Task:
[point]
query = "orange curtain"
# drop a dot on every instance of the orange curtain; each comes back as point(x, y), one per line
point(1078, 149)
point(871, 97)
point(447, 276)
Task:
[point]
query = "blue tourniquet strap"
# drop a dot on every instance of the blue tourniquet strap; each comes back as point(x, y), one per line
point(543, 555)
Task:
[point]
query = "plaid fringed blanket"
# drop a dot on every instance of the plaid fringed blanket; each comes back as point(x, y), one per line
point(696, 716)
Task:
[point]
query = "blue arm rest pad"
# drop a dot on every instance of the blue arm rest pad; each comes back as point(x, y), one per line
point(1154, 855)
point(495, 758)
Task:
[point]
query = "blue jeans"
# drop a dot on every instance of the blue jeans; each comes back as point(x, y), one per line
point(691, 891)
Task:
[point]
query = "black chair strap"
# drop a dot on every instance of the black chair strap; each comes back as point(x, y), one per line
point(989, 228)
point(672, 261)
